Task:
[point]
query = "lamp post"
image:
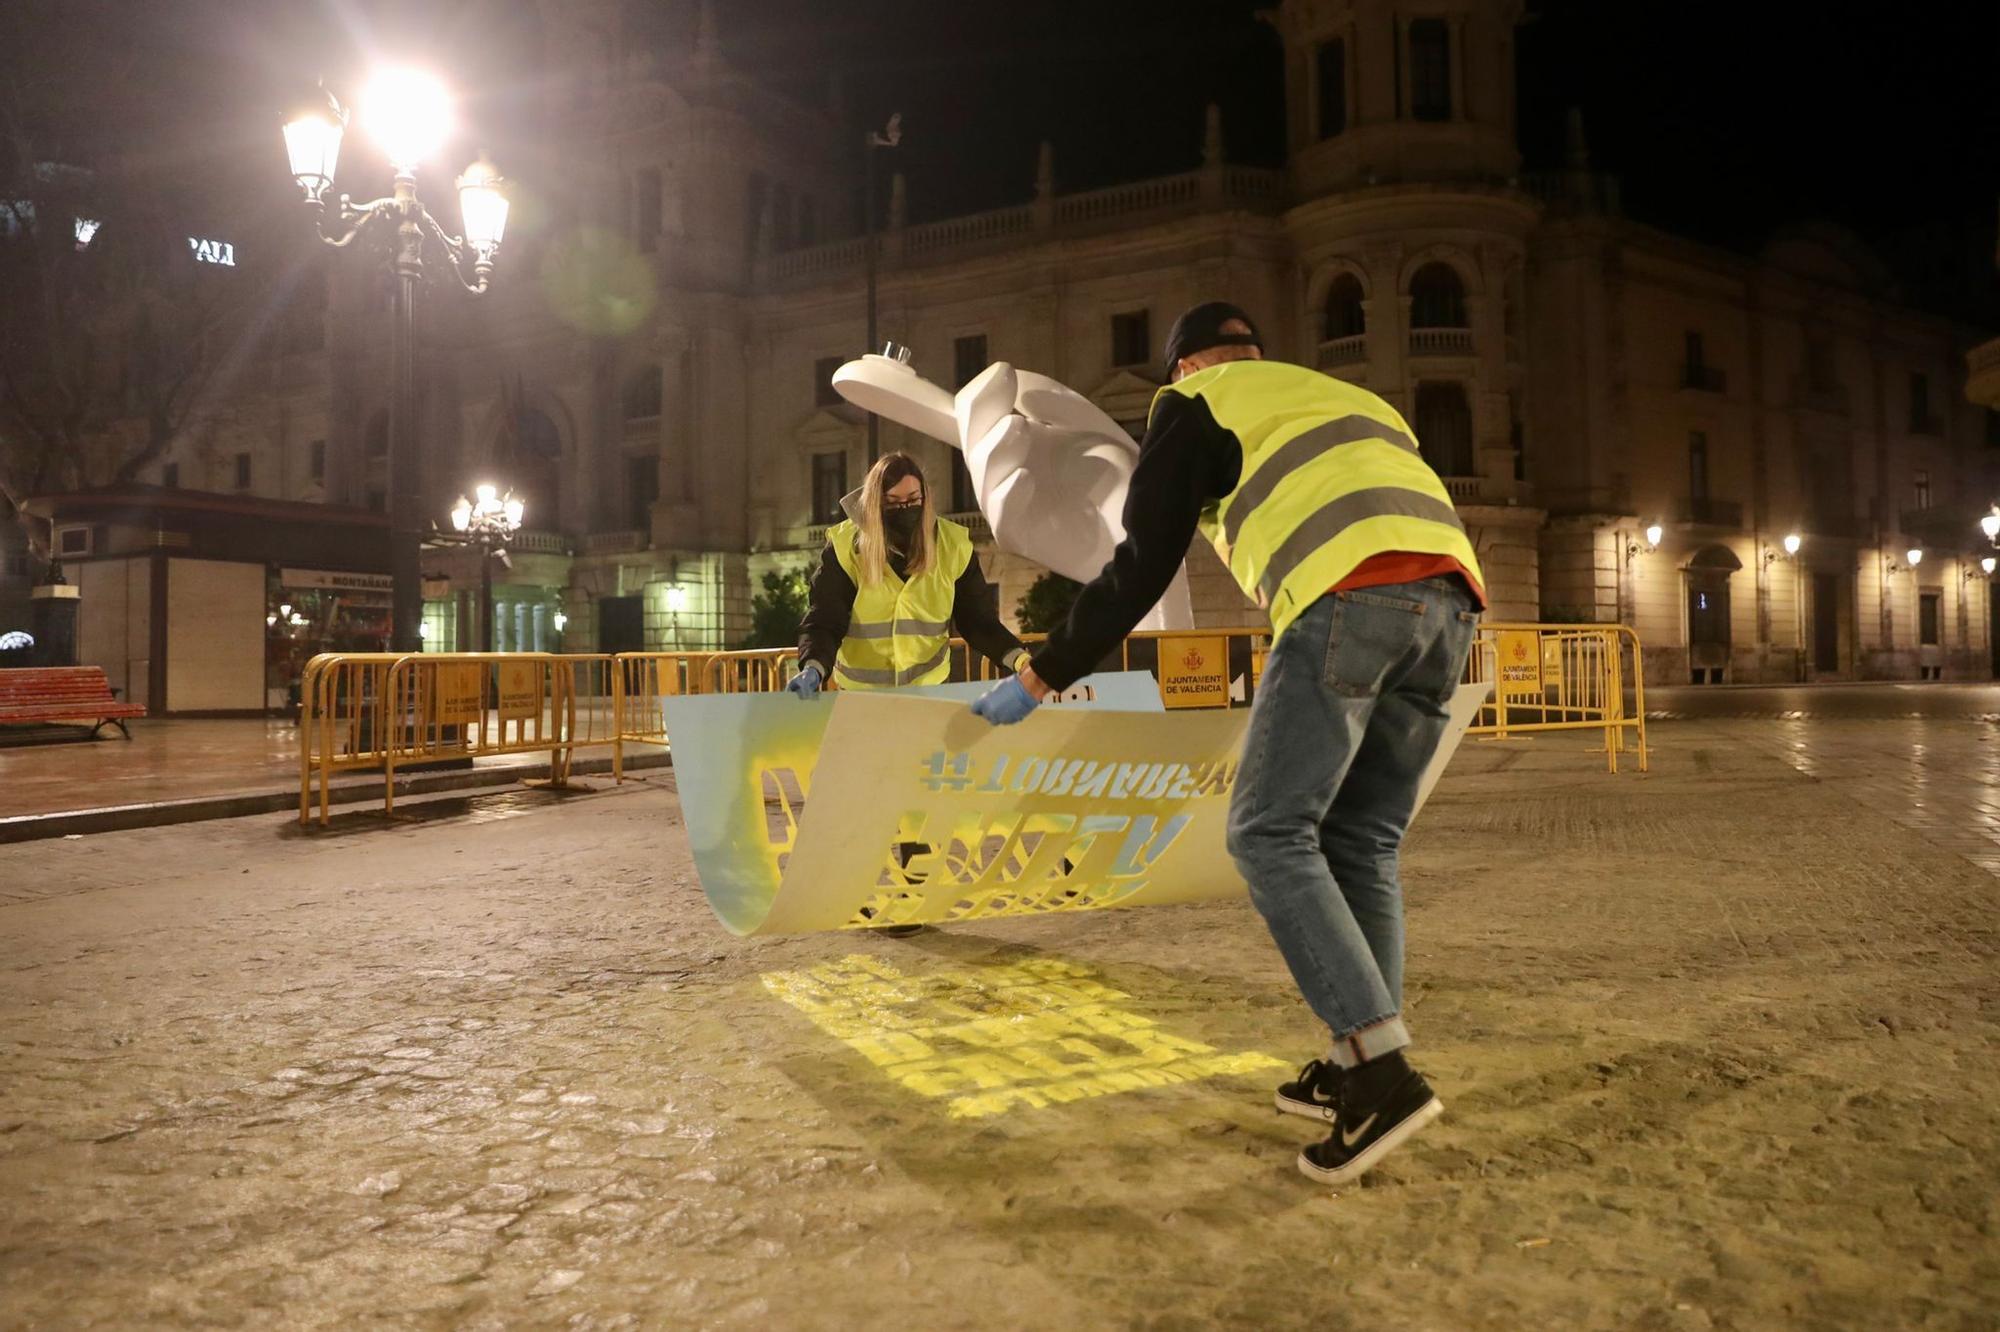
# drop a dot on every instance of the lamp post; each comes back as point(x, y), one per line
point(488, 521)
point(409, 115)
point(1990, 525)
point(887, 137)
point(1772, 554)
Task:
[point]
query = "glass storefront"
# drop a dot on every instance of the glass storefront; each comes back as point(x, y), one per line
point(309, 611)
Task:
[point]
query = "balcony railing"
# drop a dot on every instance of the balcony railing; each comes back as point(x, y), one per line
point(531, 542)
point(1462, 489)
point(973, 522)
point(1704, 378)
point(953, 232)
point(1238, 187)
point(1944, 524)
point(1343, 351)
point(1704, 512)
point(614, 543)
point(1140, 196)
point(1440, 342)
point(836, 257)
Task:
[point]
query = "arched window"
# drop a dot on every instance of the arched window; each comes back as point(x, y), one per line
point(642, 394)
point(1344, 317)
point(1437, 298)
point(1444, 428)
point(529, 462)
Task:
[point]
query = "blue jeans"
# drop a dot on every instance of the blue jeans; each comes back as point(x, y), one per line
point(1350, 711)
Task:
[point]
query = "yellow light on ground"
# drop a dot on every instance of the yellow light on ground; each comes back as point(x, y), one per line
point(1792, 543)
point(407, 112)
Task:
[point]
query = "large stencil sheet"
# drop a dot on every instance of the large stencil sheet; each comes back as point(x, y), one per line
point(744, 762)
point(878, 808)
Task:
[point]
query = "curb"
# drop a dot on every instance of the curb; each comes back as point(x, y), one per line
point(162, 813)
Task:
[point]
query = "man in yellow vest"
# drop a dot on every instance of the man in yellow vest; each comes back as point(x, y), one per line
point(1319, 501)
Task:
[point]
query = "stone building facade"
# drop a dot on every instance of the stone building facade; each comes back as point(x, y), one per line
point(684, 269)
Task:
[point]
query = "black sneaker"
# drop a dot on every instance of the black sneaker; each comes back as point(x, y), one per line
point(1315, 1093)
point(1382, 1104)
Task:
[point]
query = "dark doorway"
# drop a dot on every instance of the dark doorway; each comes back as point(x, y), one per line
point(1826, 623)
point(621, 624)
point(1708, 613)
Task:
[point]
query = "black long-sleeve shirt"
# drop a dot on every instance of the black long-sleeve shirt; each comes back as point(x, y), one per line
point(975, 613)
point(1186, 463)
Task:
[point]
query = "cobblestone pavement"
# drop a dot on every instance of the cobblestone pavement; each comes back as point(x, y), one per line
point(1718, 1047)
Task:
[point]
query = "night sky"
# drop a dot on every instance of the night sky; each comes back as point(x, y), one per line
point(1722, 120)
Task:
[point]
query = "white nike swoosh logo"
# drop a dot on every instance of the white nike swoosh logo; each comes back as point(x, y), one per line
point(1349, 1139)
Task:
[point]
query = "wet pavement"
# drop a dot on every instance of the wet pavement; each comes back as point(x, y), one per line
point(1716, 1044)
point(47, 769)
point(1888, 701)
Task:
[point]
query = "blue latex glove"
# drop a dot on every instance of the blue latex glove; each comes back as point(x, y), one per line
point(1005, 703)
point(806, 683)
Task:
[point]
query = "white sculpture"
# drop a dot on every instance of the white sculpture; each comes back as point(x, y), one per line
point(1050, 469)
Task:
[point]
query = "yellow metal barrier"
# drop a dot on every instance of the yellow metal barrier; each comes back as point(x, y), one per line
point(1562, 677)
point(385, 710)
point(755, 671)
point(1554, 677)
point(341, 726)
point(639, 681)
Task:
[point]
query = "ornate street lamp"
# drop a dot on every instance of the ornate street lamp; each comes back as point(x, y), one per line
point(409, 115)
point(489, 520)
point(1990, 525)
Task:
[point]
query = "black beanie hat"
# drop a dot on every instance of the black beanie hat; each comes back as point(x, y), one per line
point(1200, 328)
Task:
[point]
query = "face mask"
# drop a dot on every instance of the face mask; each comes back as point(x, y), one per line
point(900, 525)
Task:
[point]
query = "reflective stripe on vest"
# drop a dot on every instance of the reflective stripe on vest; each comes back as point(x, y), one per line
point(890, 628)
point(1331, 476)
point(1334, 518)
point(1295, 453)
point(899, 629)
point(870, 677)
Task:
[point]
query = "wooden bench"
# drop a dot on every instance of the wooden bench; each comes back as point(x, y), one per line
point(78, 694)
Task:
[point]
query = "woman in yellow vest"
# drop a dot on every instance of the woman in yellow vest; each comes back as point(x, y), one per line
point(1317, 496)
point(893, 581)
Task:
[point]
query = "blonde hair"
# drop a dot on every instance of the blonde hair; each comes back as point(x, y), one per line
point(873, 549)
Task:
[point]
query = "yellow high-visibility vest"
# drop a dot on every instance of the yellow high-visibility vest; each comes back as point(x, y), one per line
point(899, 632)
point(1331, 476)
